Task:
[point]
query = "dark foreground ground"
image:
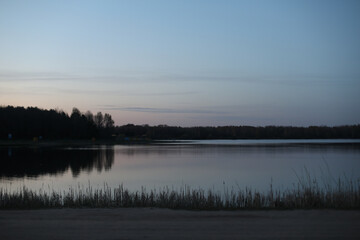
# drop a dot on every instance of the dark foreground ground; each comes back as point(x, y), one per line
point(178, 224)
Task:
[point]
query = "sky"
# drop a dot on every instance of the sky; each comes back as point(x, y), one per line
point(185, 62)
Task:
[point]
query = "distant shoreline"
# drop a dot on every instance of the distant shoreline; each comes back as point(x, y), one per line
point(71, 142)
point(32, 123)
point(85, 142)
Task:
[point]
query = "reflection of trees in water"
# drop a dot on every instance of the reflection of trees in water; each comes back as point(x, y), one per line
point(34, 162)
point(152, 150)
point(100, 159)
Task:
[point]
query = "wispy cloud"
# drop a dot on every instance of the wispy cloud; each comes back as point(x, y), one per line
point(139, 77)
point(48, 76)
point(39, 76)
point(119, 92)
point(161, 110)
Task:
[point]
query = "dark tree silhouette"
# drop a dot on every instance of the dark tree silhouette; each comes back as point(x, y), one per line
point(164, 132)
point(29, 123)
point(89, 116)
point(99, 120)
point(35, 123)
point(108, 122)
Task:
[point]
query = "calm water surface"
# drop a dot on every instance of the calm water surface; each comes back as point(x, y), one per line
point(205, 164)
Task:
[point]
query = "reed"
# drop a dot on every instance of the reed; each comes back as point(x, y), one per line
point(307, 194)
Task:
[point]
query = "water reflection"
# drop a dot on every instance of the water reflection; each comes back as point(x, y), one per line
point(199, 165)
point(257, 166)
point(35, 162)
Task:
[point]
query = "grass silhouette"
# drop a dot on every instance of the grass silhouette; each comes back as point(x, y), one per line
point(306, 194)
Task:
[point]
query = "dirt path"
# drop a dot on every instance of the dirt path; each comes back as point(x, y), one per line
point(176, 224)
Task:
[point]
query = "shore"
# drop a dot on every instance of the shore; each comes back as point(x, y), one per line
point(60, 143)
point(147, 223)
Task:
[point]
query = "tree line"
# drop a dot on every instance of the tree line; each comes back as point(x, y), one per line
point(163, 132)
point(32, 122)
point(27, 123)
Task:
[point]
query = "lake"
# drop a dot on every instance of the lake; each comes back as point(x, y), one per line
point(209, 164)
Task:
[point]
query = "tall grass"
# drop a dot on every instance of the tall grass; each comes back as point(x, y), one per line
point(307, 194)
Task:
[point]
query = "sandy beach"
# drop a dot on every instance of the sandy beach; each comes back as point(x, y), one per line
point(178, 224)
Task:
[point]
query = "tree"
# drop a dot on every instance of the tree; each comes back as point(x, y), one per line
point(108, 122)
point(75, 113)
point(99, 120)
point(89, 116)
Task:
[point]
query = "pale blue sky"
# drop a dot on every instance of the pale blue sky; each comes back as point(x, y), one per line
point(185, 62)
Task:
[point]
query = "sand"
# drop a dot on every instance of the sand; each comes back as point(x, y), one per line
point(178, 224)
